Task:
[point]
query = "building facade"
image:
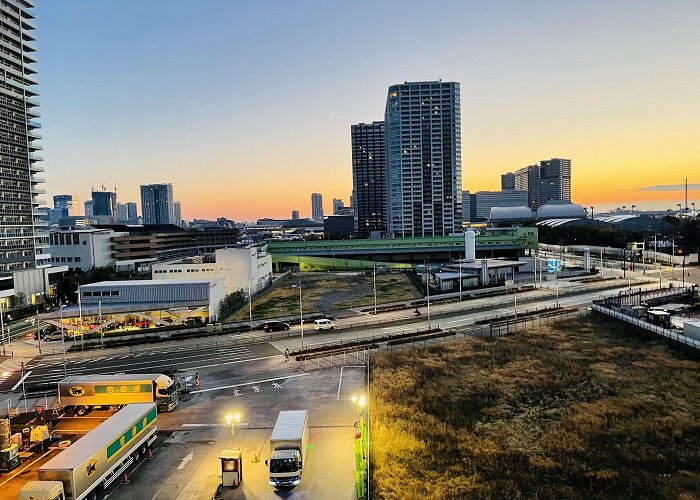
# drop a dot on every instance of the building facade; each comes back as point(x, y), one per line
point(22, 236)
point(158, 204)
point(238, 267)
point(424, 160)
point(369, 177)
point(555, 180)
point(507, 181)
point(67, 203)
point(104, 203)
point(486, 200)
point(83, 249)
point(317, 207)
point(88, 208)
point(295, 214)
point(177, 214)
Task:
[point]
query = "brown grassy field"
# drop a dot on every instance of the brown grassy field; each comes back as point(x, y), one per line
point(585, 408)
point(327, 292)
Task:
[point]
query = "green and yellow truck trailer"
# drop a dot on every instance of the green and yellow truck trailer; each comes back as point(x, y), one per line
point(83, 393)
point(97, 459)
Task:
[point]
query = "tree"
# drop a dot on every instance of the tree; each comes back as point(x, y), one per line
point(232, 300)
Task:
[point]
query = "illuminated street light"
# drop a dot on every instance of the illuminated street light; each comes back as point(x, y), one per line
point(232, 420)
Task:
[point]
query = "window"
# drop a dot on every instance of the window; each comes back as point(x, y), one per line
point(77, 259)
point(85, 242)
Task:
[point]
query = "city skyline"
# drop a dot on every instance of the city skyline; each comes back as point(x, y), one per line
point(619, 104)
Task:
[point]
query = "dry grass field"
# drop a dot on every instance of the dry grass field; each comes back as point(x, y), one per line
point(328, 292)
point(582, 409)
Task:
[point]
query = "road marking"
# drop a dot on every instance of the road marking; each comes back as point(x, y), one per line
point(256, 388)
point(185, 460)
point(237, 393)
point(340, 382)
point(21, 380)
point(250, 383)
point(238, 424)
point(22, 470)
point(276, 385)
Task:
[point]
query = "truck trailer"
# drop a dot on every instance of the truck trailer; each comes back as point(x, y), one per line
point(97, 459)
point(288, 448)
point(83, 393)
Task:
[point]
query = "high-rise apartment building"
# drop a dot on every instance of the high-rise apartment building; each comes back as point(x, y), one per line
point(486, 200)
point(122, 215)
point(295, 214)
point(550, 180)
point(104, 203)
point(424, 160)
point(507, 181)
point(369, 177)
point(131, 213)
point(157, 204)
point(88, 208)
point(338, 206)
point(317, 207)
point(67, 203)
point(528, 179)
point(177, 213)
point(555, 180)
point(21, 231)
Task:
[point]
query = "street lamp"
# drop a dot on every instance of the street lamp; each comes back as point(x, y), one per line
point(232, 420)
point(301, 314)
point(63, 338)
point(360, 402)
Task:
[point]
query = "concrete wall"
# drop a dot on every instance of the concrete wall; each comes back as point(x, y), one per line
point(83, 250)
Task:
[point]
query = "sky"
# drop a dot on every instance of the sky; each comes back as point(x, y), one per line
point(246, 106)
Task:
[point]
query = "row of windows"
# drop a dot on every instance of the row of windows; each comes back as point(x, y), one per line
point(103, 293)
point(163, 271)
point(66, 239)
point(65, 259)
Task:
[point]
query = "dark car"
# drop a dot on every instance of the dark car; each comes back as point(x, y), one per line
point(275, 326)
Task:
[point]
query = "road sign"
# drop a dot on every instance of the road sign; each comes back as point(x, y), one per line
point(553, 265)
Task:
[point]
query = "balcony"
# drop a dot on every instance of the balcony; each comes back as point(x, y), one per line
point(38, 190)
point(34, 157)
point(36, 167)
point(38, 180)
point(33, 124)
point(35, 146)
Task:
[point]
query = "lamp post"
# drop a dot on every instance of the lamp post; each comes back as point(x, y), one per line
point(232, 420)
point(38, 330)
point(301, 314)
point(2, 329)
point(374, 285)
point(460, 280)
point(359, 401)
point(63, 338)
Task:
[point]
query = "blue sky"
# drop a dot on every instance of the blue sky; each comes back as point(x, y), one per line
point(246, 106)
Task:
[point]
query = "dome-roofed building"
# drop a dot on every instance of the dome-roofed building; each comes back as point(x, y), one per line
point(523, 213)
point(560, 209)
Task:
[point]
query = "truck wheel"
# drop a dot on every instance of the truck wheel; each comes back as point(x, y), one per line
point(80, 411)
point(136, 455)
point(93, 495)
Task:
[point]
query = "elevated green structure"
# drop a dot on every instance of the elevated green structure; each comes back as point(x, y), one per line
point(397, 253)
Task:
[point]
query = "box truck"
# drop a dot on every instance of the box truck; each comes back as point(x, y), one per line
point(288, 448)
point(97, 459)
point(83, 393)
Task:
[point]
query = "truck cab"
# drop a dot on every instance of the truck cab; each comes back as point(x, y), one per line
point(166, 393)
point(285, 468)
point(42, 490)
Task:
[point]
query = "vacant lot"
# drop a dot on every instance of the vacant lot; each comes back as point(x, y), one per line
point(328, 292)
point(585, 408)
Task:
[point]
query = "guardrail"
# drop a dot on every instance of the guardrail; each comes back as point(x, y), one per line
point(664, 332)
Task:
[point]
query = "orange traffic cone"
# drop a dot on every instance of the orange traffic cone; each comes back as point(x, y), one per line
point(125, 479)
point(150, 454)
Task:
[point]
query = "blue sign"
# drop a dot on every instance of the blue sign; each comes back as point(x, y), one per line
point(553, 265)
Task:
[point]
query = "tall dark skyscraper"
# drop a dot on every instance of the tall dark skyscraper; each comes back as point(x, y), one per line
point(424, 159)
point(104, 203)
point(158, 204)
point(507, 181)
point(555, 180)
point(22, 230)
point(67, 203)
point(368, 177)
point(317, 207)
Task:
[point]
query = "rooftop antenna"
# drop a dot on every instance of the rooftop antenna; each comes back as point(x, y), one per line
point(103, 185)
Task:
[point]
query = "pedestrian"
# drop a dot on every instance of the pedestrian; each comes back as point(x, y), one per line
point(286, 354)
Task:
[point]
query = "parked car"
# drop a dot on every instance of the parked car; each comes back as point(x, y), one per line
point(324, 324)
point(52, 337)
point(275, 326)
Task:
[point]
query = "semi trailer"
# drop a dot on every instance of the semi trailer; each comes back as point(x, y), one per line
point(83, 393)
point(97, 459)
point(288, 448)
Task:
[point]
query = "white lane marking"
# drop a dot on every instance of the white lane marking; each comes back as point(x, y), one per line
point(21, 380)
point(340, 382)
point(238, 424)
point(189, 457)
point(249, 383)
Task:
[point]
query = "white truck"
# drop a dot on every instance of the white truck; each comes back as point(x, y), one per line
point(288, 448)
point(83, 393)
point(97, 459)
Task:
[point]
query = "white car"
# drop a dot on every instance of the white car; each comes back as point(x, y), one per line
point(323, 324)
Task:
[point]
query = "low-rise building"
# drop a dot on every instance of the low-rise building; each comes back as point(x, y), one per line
point(240, 268)
point(83, 249)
